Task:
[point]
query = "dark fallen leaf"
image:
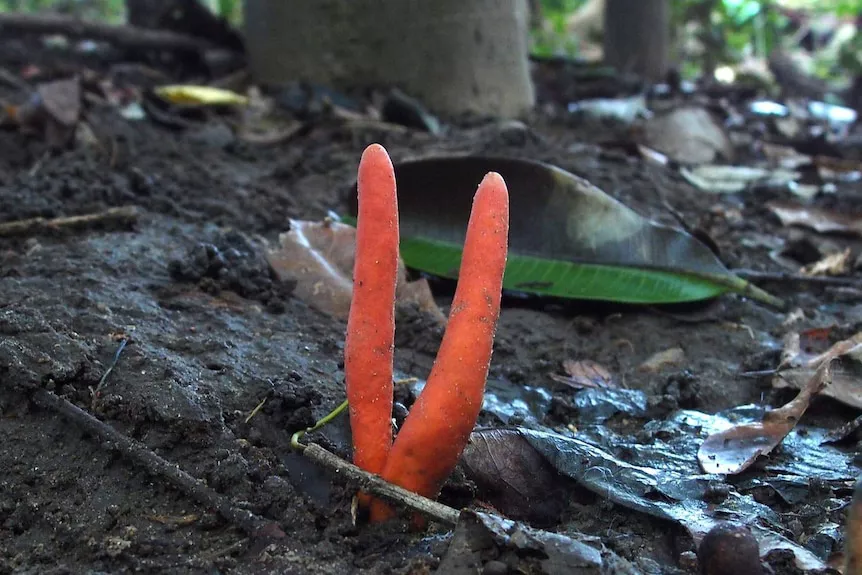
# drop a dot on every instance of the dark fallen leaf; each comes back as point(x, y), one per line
point(514, 478)
point(319, 257)
point(523, 549)
point(567, 238)
point(663, 492)
point(597, 405)
point(399, 108)
point(733, 450)
point(853, 534)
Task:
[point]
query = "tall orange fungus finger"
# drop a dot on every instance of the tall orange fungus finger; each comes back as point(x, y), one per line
point(370, 342)
point(435, 432)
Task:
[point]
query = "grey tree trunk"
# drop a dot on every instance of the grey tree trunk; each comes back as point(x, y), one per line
point(637, 34)
point(454, 55)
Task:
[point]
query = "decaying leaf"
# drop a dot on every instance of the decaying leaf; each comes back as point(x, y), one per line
point(733, 179)
point(688, 135)
point(853, 534)
point(817, 219)
point(836, 264)
point(667, 358)
point(733, 450)
point(319, 257)
point(54, 108)
point(797, 366)
point(480, 539)
point(584, 373)
point(514, 478)
point(661, 492)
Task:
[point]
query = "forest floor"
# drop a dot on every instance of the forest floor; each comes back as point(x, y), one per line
point(204, 350)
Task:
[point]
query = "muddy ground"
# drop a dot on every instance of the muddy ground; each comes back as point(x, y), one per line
point(208, 344)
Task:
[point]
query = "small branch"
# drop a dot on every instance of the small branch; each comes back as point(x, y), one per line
point(786, 277)
point(127, 36)
point(122, 217)
point(373, 484)
point(251, 524)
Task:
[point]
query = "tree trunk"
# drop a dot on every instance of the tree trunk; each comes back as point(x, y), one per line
point(453, 55)
point(637, 36)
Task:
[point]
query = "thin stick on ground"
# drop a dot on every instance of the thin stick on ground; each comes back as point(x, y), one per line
point(373, 484)
point(756, 276)
point(120, 35)
point(123, 217)
point(251, 524)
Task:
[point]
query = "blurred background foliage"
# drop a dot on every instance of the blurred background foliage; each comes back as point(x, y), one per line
point(709, 35)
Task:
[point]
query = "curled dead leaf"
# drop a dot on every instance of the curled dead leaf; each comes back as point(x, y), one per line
point(319, 257)
point(797, 365)
point(584, 374)
point(733, 450)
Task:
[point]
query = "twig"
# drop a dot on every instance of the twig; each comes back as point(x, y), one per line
point(127, 36)
point(373, 484)
point(124, 217)
point(140, 454)
point(785, 277)
point(95, 392)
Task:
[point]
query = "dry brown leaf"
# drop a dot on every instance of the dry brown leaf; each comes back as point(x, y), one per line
point(733, 450)
point(817, 219)
point(659, 361)
point(688, 135)
point(584, 373)
point(798, 364)
point(836, 264)
point(319, 257)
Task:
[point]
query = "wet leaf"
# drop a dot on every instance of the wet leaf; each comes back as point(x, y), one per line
point(484, 542)
point(662, 492)
point(853, 553)
point(199, 96)
point(597, 405)
point(514, 478)
point(733, 450)
point(688, 135)
point(584, 374)
point(567, 237)
point(798, 365)
point(817, 219)
point(319, 257)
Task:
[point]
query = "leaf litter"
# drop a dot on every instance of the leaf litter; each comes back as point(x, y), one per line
point(319, 257)
point(733, 450)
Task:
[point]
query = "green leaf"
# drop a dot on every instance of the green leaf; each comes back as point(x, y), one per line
point(567, 238)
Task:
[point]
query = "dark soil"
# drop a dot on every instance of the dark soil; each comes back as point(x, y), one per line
point(211, 333)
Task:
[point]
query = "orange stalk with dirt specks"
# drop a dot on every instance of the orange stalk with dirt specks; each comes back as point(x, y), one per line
point(439, 424)
point(370, 340)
